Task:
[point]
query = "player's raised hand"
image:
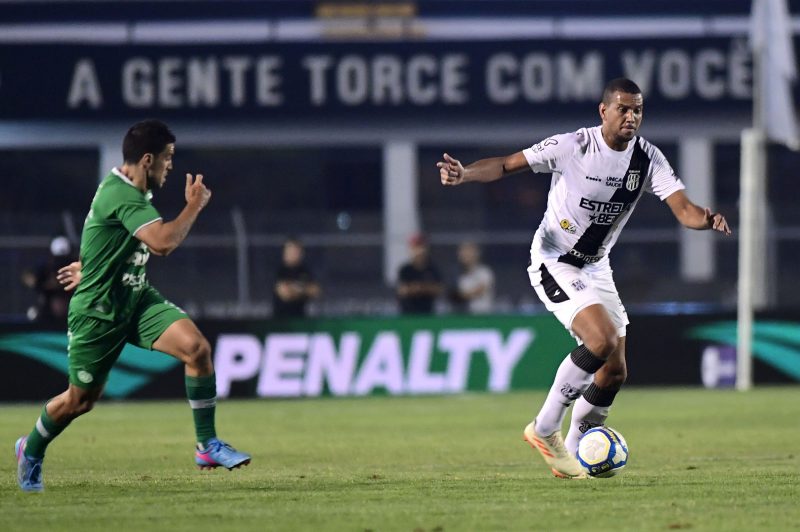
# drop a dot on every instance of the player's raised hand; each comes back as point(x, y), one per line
point(451, 171)
point(197, 193)
point(70, 276)
point(717, 222)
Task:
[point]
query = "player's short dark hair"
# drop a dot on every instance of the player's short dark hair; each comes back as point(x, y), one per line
point(620, 85)
point(147, 136)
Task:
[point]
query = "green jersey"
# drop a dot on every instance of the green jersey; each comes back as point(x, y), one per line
point(113, 260)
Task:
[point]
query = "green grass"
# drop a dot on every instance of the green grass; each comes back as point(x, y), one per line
point(700, 460)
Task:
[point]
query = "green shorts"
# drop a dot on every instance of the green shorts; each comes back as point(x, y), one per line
point(95, 344)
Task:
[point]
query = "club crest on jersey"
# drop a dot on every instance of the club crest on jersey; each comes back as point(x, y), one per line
point(568, 226)
point(632, 182)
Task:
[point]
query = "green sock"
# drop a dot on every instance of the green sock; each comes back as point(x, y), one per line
point(42, 434)
point(202, 394)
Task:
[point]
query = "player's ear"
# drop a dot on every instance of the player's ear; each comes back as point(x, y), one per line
point(146, 160)
point(602, 110)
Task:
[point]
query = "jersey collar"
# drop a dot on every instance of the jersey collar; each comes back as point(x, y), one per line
point(608, 150)
point(116, 172)
point(122, 176)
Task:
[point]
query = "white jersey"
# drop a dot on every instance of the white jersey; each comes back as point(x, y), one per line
point(593, 192)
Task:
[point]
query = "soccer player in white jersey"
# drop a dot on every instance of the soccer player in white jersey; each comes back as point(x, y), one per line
point(598, 176)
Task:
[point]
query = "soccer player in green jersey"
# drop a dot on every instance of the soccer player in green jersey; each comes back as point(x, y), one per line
point(114, 304)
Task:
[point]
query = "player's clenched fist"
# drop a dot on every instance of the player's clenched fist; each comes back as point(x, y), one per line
point(450, 171)
point(196, 192)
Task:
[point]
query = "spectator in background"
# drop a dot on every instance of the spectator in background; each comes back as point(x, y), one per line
point(52, 301)
point(294, 284)
point(475, 290)
point(418, 281)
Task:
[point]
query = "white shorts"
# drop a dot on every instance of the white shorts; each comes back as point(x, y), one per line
point(566, 290)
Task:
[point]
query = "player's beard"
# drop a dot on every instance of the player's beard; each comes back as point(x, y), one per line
point(152, 182)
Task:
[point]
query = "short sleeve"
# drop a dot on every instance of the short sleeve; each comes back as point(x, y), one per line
point(135, 211)
point(663, 182)
point(550, 154)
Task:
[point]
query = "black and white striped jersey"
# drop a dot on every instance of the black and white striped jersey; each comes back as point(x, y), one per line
point(593, 191)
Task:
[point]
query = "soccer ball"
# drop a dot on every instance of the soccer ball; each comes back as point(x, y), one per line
point(602, 451)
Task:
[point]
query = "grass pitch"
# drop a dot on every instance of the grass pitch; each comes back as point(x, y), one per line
point(700, 460)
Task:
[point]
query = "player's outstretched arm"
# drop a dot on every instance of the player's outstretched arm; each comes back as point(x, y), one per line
point(70, 276)
point(452, 172)
point(695, 217)
point(162, 238)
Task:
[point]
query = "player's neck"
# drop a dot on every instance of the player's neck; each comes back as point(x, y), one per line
point(136, 174)
point(614, 142)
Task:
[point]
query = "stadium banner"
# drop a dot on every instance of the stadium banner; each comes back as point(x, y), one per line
point(422, 355)
point(318, 81)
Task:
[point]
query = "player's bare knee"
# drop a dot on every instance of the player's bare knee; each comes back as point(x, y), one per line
point(77, 405)
point(85, 406)
point(621, 377)
point(614, 376)
point(602, 344)
point(611, 343)
point(198, 353)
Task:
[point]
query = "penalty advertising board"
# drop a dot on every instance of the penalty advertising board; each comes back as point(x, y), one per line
point(397, 356)
point(309, 358)
point(406, 356)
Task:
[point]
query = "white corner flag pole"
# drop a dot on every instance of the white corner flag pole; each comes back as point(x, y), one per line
point(774, 72)
point(752, 170)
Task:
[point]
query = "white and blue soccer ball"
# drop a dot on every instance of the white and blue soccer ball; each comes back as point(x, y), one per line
point(602, 451)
